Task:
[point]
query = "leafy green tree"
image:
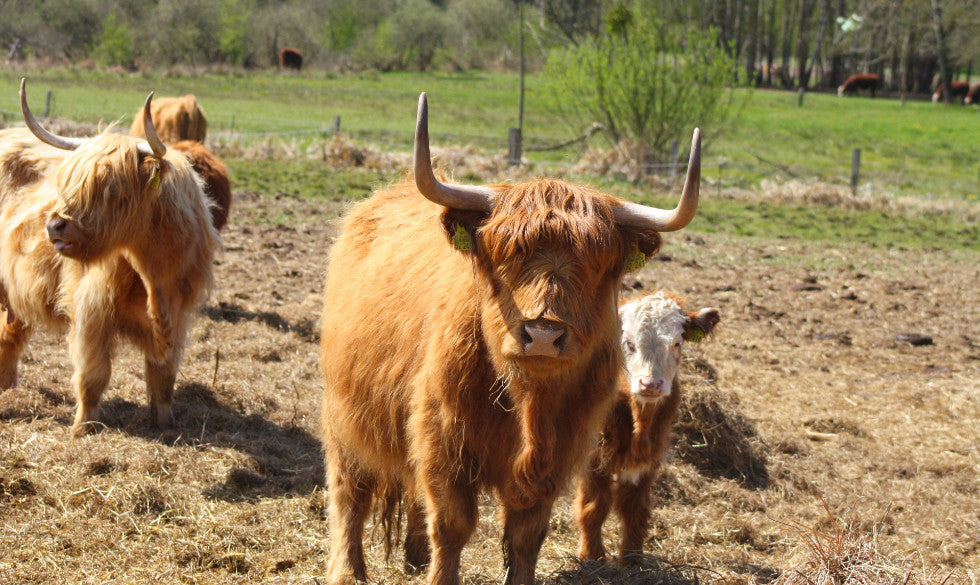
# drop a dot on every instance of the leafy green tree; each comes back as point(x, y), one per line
point(645, 82)
point(232, 29)
point(114, 43)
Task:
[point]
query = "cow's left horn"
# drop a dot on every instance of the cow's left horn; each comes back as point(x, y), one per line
point(153, 144)
point(455, 196)
point(663, 220)
point(62, 142)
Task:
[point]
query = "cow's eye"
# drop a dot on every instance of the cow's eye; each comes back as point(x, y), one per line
point(629, 346)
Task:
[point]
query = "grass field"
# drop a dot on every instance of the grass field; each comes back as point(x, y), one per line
point(918, 149)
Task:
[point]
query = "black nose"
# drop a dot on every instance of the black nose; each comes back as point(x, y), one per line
point(56, 226)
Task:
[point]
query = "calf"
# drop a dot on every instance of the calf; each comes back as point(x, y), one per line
point(637, 431)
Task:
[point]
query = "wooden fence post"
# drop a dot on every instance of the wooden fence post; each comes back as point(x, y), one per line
point(336, 125)
point(514, 147)
point(47, 105)
point(672, 169)
point(855, 169)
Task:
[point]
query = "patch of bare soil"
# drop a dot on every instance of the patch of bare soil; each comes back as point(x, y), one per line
point(810, 406)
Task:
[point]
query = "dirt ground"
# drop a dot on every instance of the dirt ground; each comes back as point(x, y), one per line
point(814, 408)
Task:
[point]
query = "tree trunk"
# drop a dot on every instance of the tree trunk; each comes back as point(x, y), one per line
point(937, 27)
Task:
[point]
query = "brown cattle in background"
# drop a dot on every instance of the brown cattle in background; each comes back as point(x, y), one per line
point(187, 127)
point(637, 432)
point(110, 237)
point(175, 119)
point(290, 58)
point(860, 81)
point(973, 96)
point(217, 185)
point(470, 342)
point(959, 91)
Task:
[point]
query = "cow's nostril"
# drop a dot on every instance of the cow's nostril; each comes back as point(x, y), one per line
point(56, 225)
point(525, 336)
point(560, 342)
point(543, 337)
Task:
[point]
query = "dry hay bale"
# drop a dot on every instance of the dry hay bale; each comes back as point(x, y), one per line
point(714, 436)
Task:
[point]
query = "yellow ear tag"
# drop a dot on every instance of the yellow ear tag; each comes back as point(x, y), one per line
point(695, 335)
point(635, 259)
point(461, 240)
point(155, 179)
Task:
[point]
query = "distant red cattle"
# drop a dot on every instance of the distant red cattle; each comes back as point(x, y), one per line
point(859, 81)
point(960, 90)
point(973, 96)
point(290, 58)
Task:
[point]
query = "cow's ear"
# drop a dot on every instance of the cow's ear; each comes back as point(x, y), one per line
point(646, 241)
point(152, 170)
point(461, 226)
point(699, 325)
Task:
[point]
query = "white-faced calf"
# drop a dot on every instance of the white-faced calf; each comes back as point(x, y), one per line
point(637, 432)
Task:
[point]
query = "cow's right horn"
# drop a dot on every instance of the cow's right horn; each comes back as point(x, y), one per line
point(663, 220)
point(455, 196)
point(153, 144)
point(62, 142)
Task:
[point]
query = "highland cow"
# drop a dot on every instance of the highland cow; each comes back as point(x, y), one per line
point(859, 81)
point(469, 342)
point(290, 58)
point(110, 237)
point(217, 186)
point(175, 119)
point(637, 431)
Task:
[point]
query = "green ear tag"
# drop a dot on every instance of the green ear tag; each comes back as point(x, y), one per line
point(635, 259)
point(695, 335)
point(461, 239)
point(155, 179)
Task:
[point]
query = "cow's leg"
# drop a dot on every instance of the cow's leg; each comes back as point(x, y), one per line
point(452, 515)
point(13, 336)
point(633, 509)
point(416, 535)
point(592, 505)
point(524, 533)
point(90, 342)
point(160, 378)
point(350, 491)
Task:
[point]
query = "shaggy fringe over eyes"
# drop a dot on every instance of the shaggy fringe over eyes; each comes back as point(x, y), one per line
point(555, 213)
point(105, 168)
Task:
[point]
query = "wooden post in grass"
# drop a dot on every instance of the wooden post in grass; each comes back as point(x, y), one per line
point(672, 169)
point(47, 105)
point(336, 125)
point(855, 169)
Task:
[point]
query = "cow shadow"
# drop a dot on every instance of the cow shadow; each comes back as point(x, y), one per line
point(284, 460)
point(639, 569)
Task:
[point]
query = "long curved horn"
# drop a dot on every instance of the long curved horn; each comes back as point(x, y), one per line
point(663, 220)
point(454, 196)
point(62, 142)
point(153, 144)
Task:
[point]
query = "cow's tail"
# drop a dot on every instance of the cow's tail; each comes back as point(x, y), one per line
point(388, 513)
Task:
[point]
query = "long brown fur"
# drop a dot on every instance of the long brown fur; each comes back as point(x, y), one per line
point(141, 261)
point(631, 451)
point(423, 385)
point(175, 119)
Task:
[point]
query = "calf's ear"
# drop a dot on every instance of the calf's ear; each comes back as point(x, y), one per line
point(700, 324)
point(151, 171)
point(461, 225)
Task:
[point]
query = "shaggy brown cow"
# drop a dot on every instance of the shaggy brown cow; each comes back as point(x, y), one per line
point(488, 366)
point(217, 186)
point(175, 119)
point(290, 58)
point(960, 89)
point(637, 432)
point(973, 97)
point(859, 81)
point(110, 236)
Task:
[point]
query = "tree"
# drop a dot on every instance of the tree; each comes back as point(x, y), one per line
point(114, 44)
point(646, 86)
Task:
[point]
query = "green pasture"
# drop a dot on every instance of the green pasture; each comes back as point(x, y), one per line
point(920, 149)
